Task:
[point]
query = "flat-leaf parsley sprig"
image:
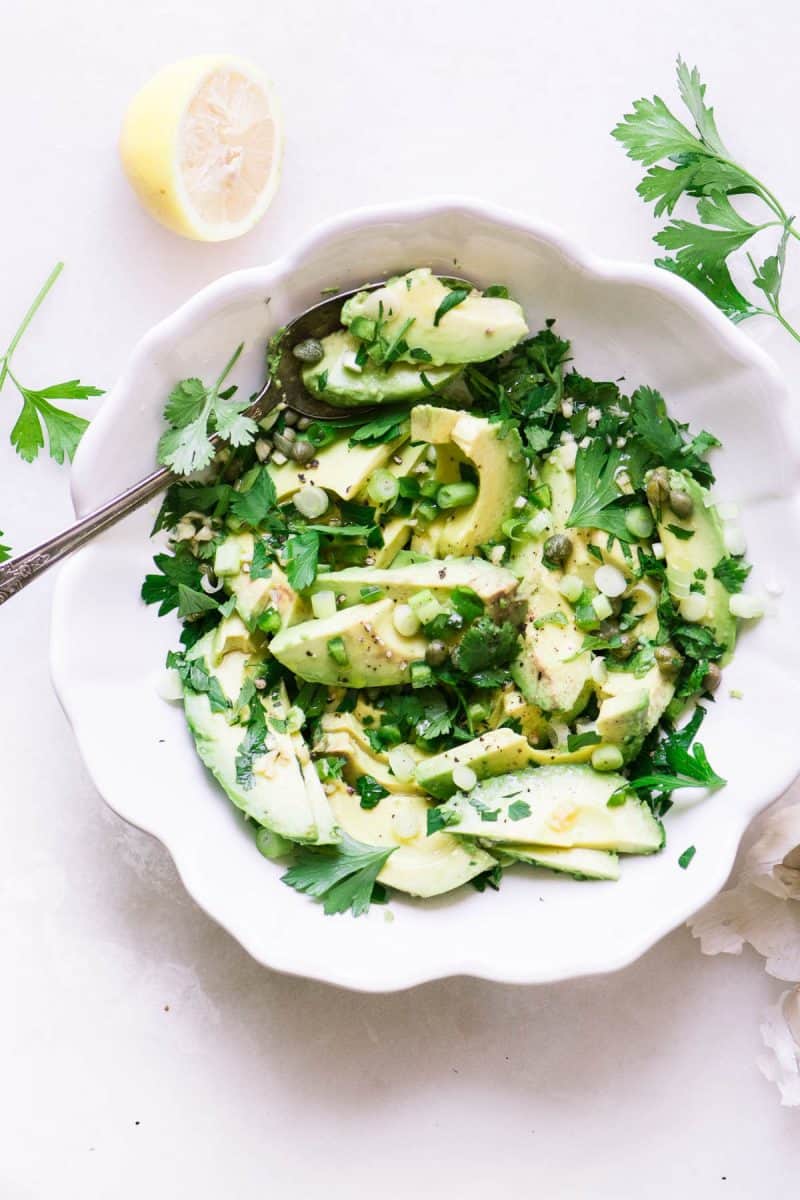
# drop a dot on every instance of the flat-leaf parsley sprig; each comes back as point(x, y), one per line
point(195, 413)
point(703, 169)
point(38, 413)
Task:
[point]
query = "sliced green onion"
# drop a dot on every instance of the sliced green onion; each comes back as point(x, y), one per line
point(370, 593)
point(405, 620)
point(427, 511)
point(272, 845)
point(639, 521)
point(383, 487)
point(571, 588)
point(541, 522)
point(323, 604)
point(693, 607)
point(464, 777)
point(610, 581)
point(477, 712)
point(402, 762)
point(311, 501)
point(425, 606)
point(644, 597)
point(295, 719)
point(607, 758)
point(421, 675)
point(269, 621)
point(338, 651)
point(456, 495)
point(429, 488)
point(748, 608)
point(602, 607)
point(679, 582)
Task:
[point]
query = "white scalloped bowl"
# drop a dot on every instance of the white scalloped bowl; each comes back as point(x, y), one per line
point(108, 648)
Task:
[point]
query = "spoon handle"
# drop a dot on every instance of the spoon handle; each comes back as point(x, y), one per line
point(22, 570)
point(18, 572)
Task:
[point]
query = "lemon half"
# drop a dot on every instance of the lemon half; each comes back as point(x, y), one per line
point(202, 144)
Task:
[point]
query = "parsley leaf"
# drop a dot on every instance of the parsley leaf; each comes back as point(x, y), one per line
point(454, 297)
point(260, 567)
point(194, 414)
point(253, 505)
point(38, 414)
point(485, 645)
point(370, 791)
point(596, 493)
point(519, 809)
point(675, 763)
point(195, 677)
point(684, 163)
point(342, 876)
point(177, 570)
point(302, 553)
point(732, 573)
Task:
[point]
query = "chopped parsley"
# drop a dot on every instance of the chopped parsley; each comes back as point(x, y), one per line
point(343, 876)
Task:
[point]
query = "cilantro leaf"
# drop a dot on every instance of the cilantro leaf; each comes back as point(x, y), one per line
point(385, 428)
point(191, 601)
point(485, 645)
point(667, 765)
point(370, 791)
point(195, 677)
point(596, 493)
point(253, 505)
point(195, 414)
point(342, 876)
point(664, 439)
point(682, 163)
point(518, 810)
point(302, 554)
point(260, 567)
point(176, 570)
point(732, 573)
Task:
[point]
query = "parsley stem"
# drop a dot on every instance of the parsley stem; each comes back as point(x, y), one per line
point(26, 320)
point(228, 368)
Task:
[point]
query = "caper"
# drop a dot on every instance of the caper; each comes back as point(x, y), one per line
point(669, 661)
point(290, 417)
point(681, 503)
point(436, 653)
point(712, 678)
point(657, 488)
point(309, 351)
point(283, 443)
point(303, 450)
point(558, 548)
point(627, 644)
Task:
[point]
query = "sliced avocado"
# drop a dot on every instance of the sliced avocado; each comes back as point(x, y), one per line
point(621, 693)
point(532, 721)
point(702, 550)
point(500, 467)
point(279, 798)
point(396, 534)
point(231, 634)
point(622, 720)
point(253, 596)
point(420, 865)
point(338, 379)
point(575, 861)
point(478, 328)
point(439, 576)
point(493, 753)
point(375, 654)
point(555, 806)
point(338, 468)
point(552, 671)
point(360, 761)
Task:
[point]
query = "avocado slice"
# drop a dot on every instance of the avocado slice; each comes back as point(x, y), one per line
point(343, 740)
point(478, 328)
point(500, 467)
point(623, 717)
point(253, 596)
point(493, 753)
point(703, 549)
point(340, 381)
point(338, 468)
point(377, 655)
point(279, 798)
point(420, 865)
point(555, 806)
point(437, 575)
point(575, 861)
point(552, 671)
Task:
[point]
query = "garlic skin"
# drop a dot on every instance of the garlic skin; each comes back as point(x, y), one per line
point(780, 1031)
point(763, 909)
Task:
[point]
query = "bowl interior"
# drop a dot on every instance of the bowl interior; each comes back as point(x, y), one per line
point(108, 649)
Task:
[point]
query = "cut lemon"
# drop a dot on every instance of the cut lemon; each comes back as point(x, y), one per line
point(201, 145)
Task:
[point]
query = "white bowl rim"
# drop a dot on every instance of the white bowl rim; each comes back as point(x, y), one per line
point(737, 345)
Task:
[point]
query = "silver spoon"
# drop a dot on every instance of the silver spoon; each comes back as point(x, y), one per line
point(315, 322)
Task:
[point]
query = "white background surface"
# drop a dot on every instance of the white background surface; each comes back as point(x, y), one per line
point(143, 1053)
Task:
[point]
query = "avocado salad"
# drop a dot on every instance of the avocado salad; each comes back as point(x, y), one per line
point(461, 631)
